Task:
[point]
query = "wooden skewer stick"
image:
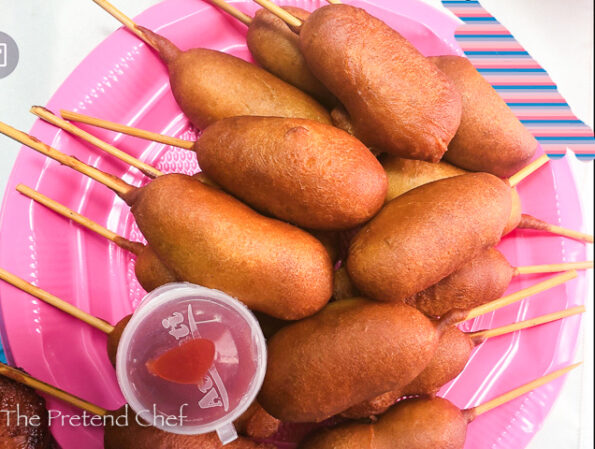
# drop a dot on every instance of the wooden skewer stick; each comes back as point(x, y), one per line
point(533, 223)
point(527, 170)
point(124, 20)
point(521, 294)
point(25, 379)
point(58, 303)
point(496, 332)
point(122, 242)
point(553, 268)
point(290, 19)
point(232, 11)
point(507, 397)
point(129, 130)
point(553, 229)
point(117, 185)
point(334, 2)
point(49, 117)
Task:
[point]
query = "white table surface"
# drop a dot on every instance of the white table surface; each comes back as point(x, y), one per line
point(54, 36)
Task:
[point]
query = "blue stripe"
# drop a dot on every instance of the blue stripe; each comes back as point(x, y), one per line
point(462, 2)
point(524, 87)
point(567, 138)
point(551, 121)
point(496, 52)
point(478, 19)
point(562, 104)
point(500, 69)
point(485, 36)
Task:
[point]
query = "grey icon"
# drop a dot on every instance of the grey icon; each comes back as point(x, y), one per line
point(3, 59)
point(9, 55)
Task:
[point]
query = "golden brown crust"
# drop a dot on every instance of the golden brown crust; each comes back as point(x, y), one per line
point(277, 48)
point(421, 424)
point(449, 360)
point(374, 407)
point(14, 433)
point(342, 120)
point(150, 271)
point(426, 234)
point(313, 175)
point(490, 138)
point(113, 339)
point(257, 423)
point(351, 351)
point(343, 287)
point(407, 174)
point(209, 238)
point(530, 222)
point(411, 424)
point(479, 281)
point(399, 102)
point(516, 213)
point(210, 85)
point(451, 356)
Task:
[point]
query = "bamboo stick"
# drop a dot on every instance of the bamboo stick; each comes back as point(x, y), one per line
point(521, 294)
point(507, 397)
point(25, 379)
point(124, 20)
point(58, 303)
point(49, 117)
point(129, 130)
point(232, 11)
point(553, 268)
point(117, 185)
point(527, 170)
point(503, 330)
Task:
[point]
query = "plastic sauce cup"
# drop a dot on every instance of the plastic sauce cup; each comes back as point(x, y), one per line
point(169, 316)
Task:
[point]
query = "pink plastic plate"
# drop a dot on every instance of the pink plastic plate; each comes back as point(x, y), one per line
point(123, 80)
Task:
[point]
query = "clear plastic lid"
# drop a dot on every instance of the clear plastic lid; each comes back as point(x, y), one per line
point(171, 316)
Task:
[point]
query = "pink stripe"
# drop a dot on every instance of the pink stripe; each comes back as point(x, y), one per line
point(482, 28)
point(482, 45)
point(557, 132)
point(508, 80)
point(512, 81)
point(561, 127)
point(533, 97)
point(490, 32)
point(556, 149)
point(504, 63)
point(470, 11)
point(543, 115)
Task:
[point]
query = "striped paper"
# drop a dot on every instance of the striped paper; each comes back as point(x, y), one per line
point(521, 81)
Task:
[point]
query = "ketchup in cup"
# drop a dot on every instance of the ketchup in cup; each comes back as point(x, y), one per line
point(188, 363)
point(191, 360)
